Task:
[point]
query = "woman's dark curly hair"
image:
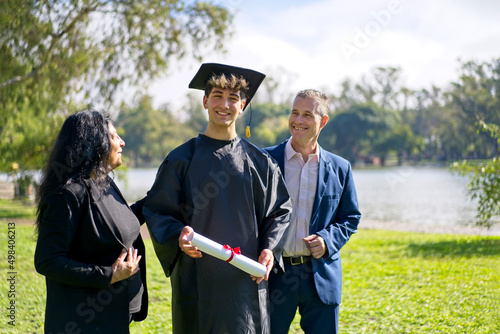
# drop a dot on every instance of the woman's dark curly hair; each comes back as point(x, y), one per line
point(81, 149)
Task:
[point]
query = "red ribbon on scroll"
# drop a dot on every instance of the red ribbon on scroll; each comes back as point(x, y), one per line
point(235, 250)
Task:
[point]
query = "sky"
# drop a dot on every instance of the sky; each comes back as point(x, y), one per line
point(320, 43)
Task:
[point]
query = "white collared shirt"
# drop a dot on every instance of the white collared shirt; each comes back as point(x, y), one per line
point(301, 179)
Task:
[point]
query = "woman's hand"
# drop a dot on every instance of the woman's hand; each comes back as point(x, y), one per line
point(122, 268)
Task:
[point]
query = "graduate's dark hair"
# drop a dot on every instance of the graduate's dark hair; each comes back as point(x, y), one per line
point(81, 149)
point(232, 82)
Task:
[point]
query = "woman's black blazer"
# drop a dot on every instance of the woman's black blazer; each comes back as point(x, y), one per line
point(77, 244)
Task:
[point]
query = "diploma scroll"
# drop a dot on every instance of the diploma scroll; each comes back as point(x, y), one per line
point(227, 254)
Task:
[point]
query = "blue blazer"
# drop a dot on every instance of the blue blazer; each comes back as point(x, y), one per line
point(335, 217)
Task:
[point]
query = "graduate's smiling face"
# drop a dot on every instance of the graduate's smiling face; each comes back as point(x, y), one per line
point(305, 123)
point(224, 106)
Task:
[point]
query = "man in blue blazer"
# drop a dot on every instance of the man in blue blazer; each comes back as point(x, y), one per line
point(325, 214)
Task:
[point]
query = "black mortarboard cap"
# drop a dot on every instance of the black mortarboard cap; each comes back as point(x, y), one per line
point(207, 70)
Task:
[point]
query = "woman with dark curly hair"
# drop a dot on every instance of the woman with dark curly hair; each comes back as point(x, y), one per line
point(89, 246)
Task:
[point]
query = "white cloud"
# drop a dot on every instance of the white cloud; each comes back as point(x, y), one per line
point(425, 38)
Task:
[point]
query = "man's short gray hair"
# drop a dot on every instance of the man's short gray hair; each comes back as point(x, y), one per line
point(321, 98)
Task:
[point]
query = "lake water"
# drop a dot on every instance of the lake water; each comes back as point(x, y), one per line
point(418, 195)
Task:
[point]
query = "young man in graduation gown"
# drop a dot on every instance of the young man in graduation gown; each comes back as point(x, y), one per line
point(227, 190)
point(325, 215)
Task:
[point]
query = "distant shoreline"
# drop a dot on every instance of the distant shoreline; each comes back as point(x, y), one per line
point(407, 227)
point(7, 193)
point(367, 224)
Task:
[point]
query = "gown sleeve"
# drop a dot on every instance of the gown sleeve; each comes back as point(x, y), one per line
point(52, 254)
point(163, 210)
point(276, 212)
point(137, 210)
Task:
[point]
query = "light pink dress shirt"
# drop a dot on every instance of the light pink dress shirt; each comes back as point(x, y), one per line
point(301, 179)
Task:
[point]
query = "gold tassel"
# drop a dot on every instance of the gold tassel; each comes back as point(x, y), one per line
point(248, 131)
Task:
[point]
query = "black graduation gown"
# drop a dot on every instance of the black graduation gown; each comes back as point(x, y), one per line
point(233, 193)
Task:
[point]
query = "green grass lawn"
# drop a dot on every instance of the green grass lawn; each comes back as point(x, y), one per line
point(18, 208)
point(393, 282)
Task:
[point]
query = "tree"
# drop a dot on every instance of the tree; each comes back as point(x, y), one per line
point(114, 41)
point(432, 121)
point(352, 133)
point(382, 86)
point(269, 124)
point(346, 98)
point(275, 88)
point(197, 116)
point(484, 181)
point(476, 98)
point(149, 133)
point(401, 140)
point(57, 55)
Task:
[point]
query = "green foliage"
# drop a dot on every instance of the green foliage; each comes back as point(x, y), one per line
point(196, 115)
point(149, 133)
point(28, 137)
point(382, 87)
point(393, 282)
point(400, 140)
point(28, 121)
point(59, 55)
point(269, 124)
point(476, 98)
point(109, 42)
point(484, 182)
point(441, 120)
point(354, 131)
